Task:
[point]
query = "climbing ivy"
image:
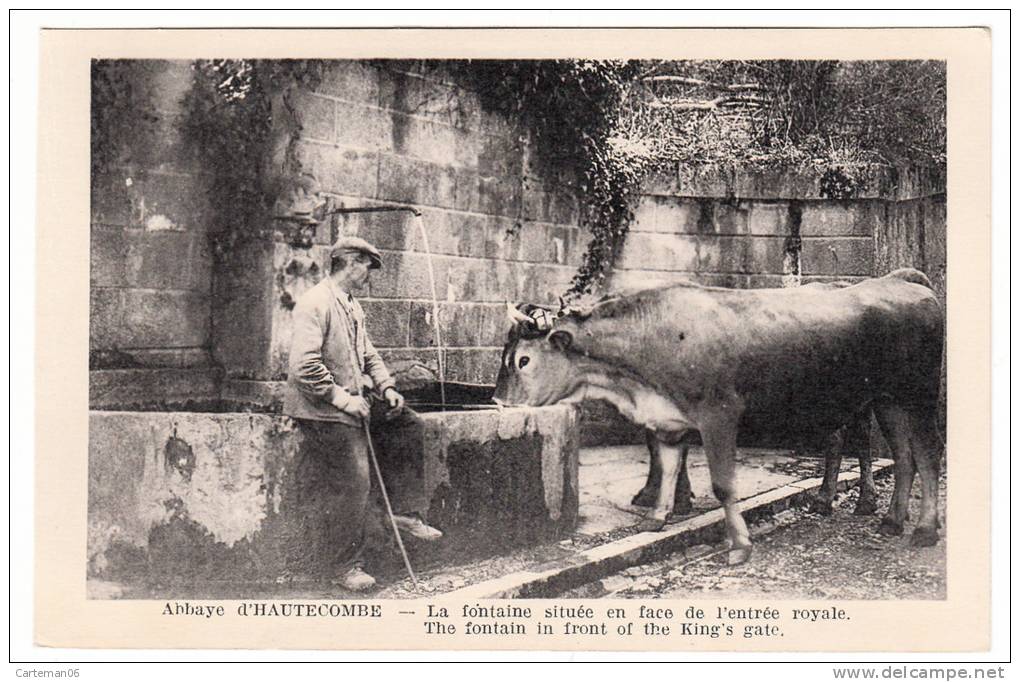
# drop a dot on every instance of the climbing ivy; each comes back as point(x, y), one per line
point(121, 109)
point(571, 109)
point(229, 124)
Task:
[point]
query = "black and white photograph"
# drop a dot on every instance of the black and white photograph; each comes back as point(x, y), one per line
point(572, 329)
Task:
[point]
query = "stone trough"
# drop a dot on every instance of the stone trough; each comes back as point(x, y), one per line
point(199, 496)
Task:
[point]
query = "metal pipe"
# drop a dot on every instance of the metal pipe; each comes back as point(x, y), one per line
point(373, 209)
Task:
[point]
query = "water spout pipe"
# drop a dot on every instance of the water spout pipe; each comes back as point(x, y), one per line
point(373, 209)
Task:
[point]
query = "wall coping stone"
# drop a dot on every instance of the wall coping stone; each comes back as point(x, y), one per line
point(732, 182)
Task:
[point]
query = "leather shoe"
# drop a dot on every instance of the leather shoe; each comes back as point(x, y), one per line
point(415, 527)
point(356, 580)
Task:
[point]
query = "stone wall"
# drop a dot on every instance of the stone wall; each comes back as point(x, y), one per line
point(745, 229)
point(151, 266)
point(406, 133)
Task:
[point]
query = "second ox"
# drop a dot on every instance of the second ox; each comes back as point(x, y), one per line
point(793, 365)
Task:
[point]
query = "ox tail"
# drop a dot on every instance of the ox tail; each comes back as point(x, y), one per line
point(911, 275)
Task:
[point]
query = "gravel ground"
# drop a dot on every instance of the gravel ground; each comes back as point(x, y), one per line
point(799, 555)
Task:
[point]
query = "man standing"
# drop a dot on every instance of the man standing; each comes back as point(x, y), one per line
point(333, 365)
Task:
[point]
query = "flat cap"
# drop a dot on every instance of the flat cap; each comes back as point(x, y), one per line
point(357, 244)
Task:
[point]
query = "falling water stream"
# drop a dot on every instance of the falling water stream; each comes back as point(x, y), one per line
point(435, 311)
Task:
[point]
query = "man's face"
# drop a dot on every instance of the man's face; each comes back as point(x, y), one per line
point(359, 270)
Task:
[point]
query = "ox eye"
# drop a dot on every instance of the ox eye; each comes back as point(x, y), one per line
point(523, 361)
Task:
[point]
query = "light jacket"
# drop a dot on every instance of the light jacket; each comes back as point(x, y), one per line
point(330, 351)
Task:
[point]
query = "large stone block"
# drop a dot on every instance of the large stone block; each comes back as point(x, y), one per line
point(467, 279)
point(502, 238)
point(668, 215)
point(148, 388)
point(500, 196)
point(649, 251)
point(414, 182)
point(394, 231)
point(387, 322)
point(339, 170)
point(460, 324)
point(244, 297)
point(449, 233)
point(352, 81)
point(634, 280)
point(152, 201)
point(150, 260)
point(363, 127)
point(145, 318)
point(315, 114)
point(549, 205)
point(541, 243)
point(472, 365)
point(832, 219)
point(111, 199)
point(466, 190)
point(542, 283)
point(426, 98)
point(769, 219)
point(467, 147)
point(726, 218)
point(406, 275)
point(741, 254)
point(424, 139)
point(837, 256)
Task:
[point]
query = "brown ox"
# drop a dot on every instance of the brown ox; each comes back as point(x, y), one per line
point(792, 365)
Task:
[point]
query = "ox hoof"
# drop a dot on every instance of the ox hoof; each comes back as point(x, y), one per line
point(890, 527)
point(644, 498)
point(738, 555)
point(650, 525)
point(865, 507)
point(818, 506)
point(924, 537)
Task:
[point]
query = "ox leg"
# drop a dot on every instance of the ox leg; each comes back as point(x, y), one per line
point(669, 456)
point(893, 421)
point(682, 500)
point(822, 504)
point(867, 503)
point(926, 453)
point(648, 495)
point(721, 449)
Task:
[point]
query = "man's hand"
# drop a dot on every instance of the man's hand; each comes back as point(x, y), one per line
point(394, 400)
point(354, 405)
point(358, 407)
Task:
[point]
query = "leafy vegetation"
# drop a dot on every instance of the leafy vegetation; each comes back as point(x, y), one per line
point(615, 122)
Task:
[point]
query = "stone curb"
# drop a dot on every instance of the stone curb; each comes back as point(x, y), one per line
point(555, 577)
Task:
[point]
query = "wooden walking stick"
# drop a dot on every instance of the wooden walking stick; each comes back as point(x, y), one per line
point(389, 509)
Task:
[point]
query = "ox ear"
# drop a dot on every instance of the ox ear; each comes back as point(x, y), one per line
point(560, 339)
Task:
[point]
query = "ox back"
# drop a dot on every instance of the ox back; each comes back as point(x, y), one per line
point(801, 361)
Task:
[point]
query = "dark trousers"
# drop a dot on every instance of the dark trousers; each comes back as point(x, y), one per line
point(335, 488)
point(331, 485)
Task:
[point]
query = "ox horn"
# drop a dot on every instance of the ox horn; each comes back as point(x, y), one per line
point(515, 315)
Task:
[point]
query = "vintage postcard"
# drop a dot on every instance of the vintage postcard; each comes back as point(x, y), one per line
point(641, 340)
